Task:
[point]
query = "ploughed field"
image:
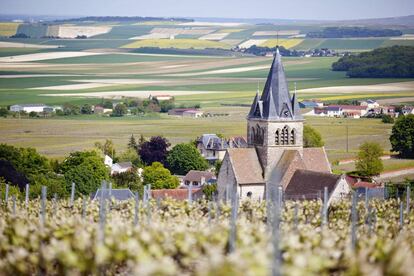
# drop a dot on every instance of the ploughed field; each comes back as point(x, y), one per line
point(177, 238)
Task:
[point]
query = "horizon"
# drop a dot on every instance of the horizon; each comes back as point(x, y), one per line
point(266, 9)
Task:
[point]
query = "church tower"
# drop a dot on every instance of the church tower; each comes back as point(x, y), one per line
point(274, 123)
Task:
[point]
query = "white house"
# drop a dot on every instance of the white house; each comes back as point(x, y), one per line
point(30, 108)
point(121, 167)
point(370, 104)
point(108, 161)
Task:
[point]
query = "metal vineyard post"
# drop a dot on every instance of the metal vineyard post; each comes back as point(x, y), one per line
point(72, 195)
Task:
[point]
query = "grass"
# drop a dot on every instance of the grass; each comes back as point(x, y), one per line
point(8, 28)
point(177, 43)
point(287, 43)
point(389, 165)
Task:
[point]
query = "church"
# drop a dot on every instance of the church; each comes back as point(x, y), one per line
point(275, 154)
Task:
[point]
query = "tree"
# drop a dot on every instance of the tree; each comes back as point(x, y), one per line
point(70, 109)
point(32, 114)
point(130, 180)
point(154, 150)
point(210, 191)
point(120, 110)
point(159, 177)
point(387, 119)
point(86, 109)
point(4, 112)
point(86, 169)
point(132, 144)
point(369, 161)
point(107, 104)
point(130, 155)
point(402, 136)
point(312, 138)
point(107, 148)
point(217, 167)
point(185, 157)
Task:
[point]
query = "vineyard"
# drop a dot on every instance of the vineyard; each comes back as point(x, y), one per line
point(154, 237)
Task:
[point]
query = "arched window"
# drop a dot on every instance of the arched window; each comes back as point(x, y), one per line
point(252, 135)
point(293, 137)
point(277, 137)
point(258, 135)
point(284, 139)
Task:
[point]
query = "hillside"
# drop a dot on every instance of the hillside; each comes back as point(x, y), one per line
point(391, 62)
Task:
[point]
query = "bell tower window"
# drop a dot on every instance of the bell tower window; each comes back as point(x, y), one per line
point(284, 140)
point(277, 137)
point(293, 137)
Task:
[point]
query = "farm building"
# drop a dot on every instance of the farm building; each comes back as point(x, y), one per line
point(162, 97)
point(121, 167)
point(275, 144)
point(310, 104)
point(198, 178)
point(328, 111)
point(32, 108)
point(98, 109)
point(186, 112)
point(177, 194)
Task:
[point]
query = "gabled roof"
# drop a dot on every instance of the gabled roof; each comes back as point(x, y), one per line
point(246, 165)
point(275, 102)
point(177, 194)
point(194, 175)
point(212, 141)
point(316, 160)
point(124, 165)
point(307, 184)
point(286, 167)
point(118, 194)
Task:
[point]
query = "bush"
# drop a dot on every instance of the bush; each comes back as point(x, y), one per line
point(312, 138)
point(387, 119)
point(159, 177)
point(185, 157)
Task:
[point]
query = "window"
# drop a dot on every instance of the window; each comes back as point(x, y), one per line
point(293, 137)
point(249, 194)
point(258, 135)
point(277, 137)
point(285, 136)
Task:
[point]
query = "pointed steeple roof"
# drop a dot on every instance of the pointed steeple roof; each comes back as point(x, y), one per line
point(276, 101)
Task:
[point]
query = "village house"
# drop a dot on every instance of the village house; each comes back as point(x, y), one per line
point(405, 110)
point(98, 109)
point(213, 148)
point(177, 194)
point(328, 111)
point(275, 144)
point(162, 97)
point(198, 178)
point(369, 104)
point(121, 167)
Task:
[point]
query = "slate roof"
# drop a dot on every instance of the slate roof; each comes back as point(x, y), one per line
point(124, 165)
point(194, 175)
point(118, 194)
point(275, 102)
point(307, 184)
point(246, 165)
point(212, 141)
point(177, 194)
point(316, 160)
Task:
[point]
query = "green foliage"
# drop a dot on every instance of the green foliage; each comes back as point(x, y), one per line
point(107, 148)
point(13, 190)
point(387, 119)
point(402, 137)
point(4, 112)
point(70, 109)
point(86, 109)
point(32, 114)
point(159, 177)
point(54, 184)
point(132, 144)
point(120, 110)
point(185, 157)
point(165, 106)
point(391, 62)
point(130, 155)
point(86, 169)
point(312, 138)
point(369, 161)
point(210, 191)
point(343, 32)
point(25, 160)
point(130, 180)
point(217, 166)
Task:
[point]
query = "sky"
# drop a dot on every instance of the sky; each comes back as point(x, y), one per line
point(271, 9)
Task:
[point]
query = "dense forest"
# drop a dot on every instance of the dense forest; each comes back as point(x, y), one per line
point(391, 62)
point(345, 32)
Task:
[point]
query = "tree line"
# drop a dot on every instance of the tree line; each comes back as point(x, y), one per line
point(346, 32)
point(390, 62)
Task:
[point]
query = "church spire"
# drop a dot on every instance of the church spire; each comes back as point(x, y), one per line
point(276, 101)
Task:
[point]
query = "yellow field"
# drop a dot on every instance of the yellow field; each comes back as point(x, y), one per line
point(177, 43)
point(287, 43)
point(231, 30)
point(8, 29)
